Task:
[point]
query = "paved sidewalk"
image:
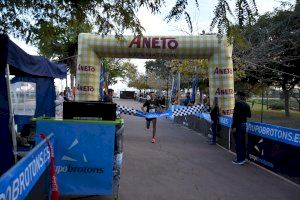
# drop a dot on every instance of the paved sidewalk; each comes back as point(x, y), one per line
point(181, 165)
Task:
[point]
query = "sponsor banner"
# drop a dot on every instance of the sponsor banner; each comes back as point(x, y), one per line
point(206, 116)
point(158, 114)
point(277, 133)
point(276, 156)
point(84, 156)
point(203, 115)
point(91, 47)
point(225, 121)
point(21, 178)
point(261, 161)
point(170, 113)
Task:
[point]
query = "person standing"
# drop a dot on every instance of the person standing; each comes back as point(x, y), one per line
point(69, 94)
point(240, 114)
point(74, 92)
point(187, 99)
point(214, 115)
point(152, 105)
point(109, 96)
point(59, 105)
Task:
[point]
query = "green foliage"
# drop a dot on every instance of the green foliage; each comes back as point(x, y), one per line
point(277, 106)
point(53, 25)
point(116, 68)
point(245, 12)
point(177, 10)
point(190, 68)
point(221, 20)
point(61, 42)
point(139, 82)
point(22, 18)
point(273, 50)
point(159, 67)
point(161, 71)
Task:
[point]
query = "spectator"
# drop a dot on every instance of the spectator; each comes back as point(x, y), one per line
point(59, 105)
point(74, 92)
point(187, 99)
point(109, 96)
point(192, 103)
point(240, 114)
point(176, 100)
point(206, 104)
point(162, 100)
point(68, 96)
point(148, 97)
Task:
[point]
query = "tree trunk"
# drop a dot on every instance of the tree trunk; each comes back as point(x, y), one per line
point(286, 103)
point(201, 96)
point(72, 80)
point(267, 93)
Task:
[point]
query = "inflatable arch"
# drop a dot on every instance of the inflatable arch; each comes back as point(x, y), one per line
point(92, 47)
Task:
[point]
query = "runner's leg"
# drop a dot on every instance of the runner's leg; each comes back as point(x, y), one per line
point(148, 124)
point(154, 127)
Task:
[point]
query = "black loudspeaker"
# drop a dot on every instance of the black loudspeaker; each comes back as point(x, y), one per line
point(89, 110)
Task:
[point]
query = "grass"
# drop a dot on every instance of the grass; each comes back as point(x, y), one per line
point(275, 117)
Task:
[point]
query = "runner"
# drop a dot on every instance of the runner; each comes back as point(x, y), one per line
point(151, 105)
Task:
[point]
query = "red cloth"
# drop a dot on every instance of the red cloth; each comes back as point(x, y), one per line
point(53, 180)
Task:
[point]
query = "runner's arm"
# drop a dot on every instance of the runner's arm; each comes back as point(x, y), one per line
point(144, 105)
point(160, 108)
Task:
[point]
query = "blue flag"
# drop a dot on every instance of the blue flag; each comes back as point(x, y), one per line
point(102, 74)
point(194, 87)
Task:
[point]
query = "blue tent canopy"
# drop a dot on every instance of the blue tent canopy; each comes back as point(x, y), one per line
point(27, 68)
point(33, 65)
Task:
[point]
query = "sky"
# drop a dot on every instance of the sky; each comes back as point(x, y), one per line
point(156, 25)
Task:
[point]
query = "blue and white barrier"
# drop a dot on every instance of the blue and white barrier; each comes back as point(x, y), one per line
point(174, 111)
point(17, 182)
point(277, 133)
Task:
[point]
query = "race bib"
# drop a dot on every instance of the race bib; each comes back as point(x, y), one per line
point(152, 110)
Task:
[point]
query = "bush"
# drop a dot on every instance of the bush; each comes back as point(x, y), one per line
point(277, 106)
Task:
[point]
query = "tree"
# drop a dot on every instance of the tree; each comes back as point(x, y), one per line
point(24, 18)
point(162, 70)
point(159, 67)
point(295, 93)
point(158, 70)
point(60, 43)
point(139, 82)
point(245, 12)
point(156, 82)
point(118, 68)
point(53, 25)
point(189, 69)
point(273, 51)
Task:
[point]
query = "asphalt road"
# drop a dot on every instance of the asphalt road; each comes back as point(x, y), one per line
point(181, 165)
